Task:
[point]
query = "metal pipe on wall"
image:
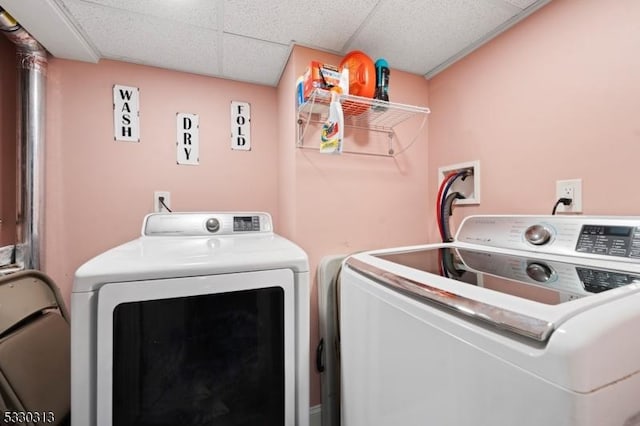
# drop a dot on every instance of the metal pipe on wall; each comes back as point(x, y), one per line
point(32, 71)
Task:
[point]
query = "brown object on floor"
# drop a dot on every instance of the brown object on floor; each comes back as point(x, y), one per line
point(34, 350)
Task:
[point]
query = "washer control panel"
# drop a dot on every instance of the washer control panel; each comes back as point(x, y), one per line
point(604, 237)
point(622, 241)
point(537, 235)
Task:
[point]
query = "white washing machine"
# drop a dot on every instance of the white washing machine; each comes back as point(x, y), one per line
point(521, 320)
point(202, 320)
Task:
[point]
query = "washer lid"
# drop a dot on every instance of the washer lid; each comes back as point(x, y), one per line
point(583, 341)
point(526, 295)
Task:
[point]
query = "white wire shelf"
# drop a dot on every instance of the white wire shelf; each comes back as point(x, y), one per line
point(359, 112)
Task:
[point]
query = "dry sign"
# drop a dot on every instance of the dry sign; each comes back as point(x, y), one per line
point(188, 139)
point(240, 126)
point(126, 113)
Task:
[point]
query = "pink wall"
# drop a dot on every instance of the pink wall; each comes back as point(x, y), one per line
point(556, 97)
point(8, 84)
point(342, 204)
point(98, 190)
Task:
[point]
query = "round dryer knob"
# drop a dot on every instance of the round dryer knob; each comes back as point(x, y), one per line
point(212, 224)
point(540, 272)
point(537, 235)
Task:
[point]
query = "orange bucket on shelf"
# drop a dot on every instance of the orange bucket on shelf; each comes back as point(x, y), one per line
point(362, 80)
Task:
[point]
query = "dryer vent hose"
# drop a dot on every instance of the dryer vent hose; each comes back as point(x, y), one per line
point(448, 210)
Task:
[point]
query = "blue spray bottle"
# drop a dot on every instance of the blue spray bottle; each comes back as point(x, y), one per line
point(382, 82)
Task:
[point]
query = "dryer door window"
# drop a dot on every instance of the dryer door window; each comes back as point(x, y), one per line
point(200, 360)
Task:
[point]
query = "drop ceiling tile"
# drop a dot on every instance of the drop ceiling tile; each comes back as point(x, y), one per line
point(252, 60)
point(202, 13)
point(327, 24)
point(430, 31)
point(147, 40)
point(186, 35)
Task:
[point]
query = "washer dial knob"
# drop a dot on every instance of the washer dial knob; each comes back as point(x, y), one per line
point(537, 235)
point(212, 225)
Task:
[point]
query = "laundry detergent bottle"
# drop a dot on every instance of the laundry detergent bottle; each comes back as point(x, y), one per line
point(333, 129)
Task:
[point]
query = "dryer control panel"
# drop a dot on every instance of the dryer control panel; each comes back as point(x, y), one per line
point(603, 237)
point(206, 223)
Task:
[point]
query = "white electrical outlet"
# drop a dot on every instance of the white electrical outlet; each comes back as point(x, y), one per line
point(571, 188)
point(157, 205)
point(469, 187)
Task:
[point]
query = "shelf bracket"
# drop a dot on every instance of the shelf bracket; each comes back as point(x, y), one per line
point(301, 130)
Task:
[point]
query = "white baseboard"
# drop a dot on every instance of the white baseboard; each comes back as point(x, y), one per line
point(315, 415)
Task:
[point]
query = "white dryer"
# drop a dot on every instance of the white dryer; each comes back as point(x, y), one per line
point(202, 320)
point(521, 320)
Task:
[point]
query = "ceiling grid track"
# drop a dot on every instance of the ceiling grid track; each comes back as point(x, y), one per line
point(365, 21)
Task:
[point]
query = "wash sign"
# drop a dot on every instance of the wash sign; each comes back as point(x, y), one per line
point(240, 126)
point(126, 113)
point(188, 139)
